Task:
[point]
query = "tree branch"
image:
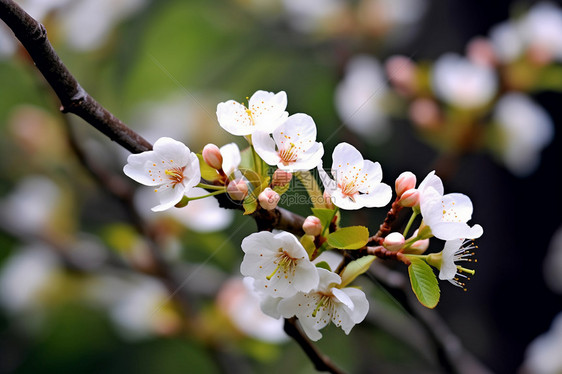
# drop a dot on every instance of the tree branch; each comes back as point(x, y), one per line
point(74, 99)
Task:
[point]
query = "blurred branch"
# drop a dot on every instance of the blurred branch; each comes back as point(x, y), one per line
point(321, 362)
point(74, 99)
point(453, 357)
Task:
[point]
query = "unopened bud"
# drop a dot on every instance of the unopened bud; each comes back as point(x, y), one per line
point(405, 182)
point(281, 178)
point(410, 198)
point(269, 199)
point(312, 226)
point(328, 200)
point(419, 247)
point(237, 189)
point(393, 241)
point(212, 156)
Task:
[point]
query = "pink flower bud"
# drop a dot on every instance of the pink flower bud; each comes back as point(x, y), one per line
point(402, 72)
point(404, 182)
point(425, 113)
point(312, 226)
point(269, 199)
point(394, 241)
point(212, 156)
point(419, 246)
point(481, 51)
point(237, 189)
point(328, 200)
point(410, 198)
point(281, 178)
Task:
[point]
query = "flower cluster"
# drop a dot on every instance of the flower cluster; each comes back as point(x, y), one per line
point(295, 276)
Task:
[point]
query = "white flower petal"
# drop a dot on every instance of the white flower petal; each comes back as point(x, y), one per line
point(264, 146)
point(448, 266)
point(231, 158)
point(378, 197)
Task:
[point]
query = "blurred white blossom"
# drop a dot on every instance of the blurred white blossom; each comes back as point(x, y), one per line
point(538, 31)
point(553, 263)
point(359, 98)
point(506, 41)
point(541, 28)
point(463, 83)
point(29, 208)
point(526, 128)
point(142, 309)
point(307, 16)
point(203, 215)
point(85, 24)
point(543, 354)
point(24, 276)
point(241, 303)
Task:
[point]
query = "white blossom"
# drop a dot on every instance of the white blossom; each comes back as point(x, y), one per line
point(455, 251)
point(278, 263)
point(359, 98)
point(265, 112)
point(25, 275)
point(525, 129)
point(463, 83)
point(241, 303)
point(293, 146)
point(344, 307)
point(543, 354)
point(541, 28)
point(170, 167)
point(447, 215)
point(231, 158)
point(357, 182)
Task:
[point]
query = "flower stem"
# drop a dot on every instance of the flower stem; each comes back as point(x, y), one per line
point(210, 187)
point(204, 196)
point(410, 222)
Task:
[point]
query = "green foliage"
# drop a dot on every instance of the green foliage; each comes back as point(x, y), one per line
point(424, 282)
point(355, 269)
point(352, 237)
point(207, 172)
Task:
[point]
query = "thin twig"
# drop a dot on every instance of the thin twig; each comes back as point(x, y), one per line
point(321, 362)
point(73, 98)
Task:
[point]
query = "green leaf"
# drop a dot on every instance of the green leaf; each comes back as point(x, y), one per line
point(424, 282)
point(307, 242)
point(323, 265)
point(352, 237)
point(250, 204)
point(355, 269)
point(252, 177)
point(207, 172)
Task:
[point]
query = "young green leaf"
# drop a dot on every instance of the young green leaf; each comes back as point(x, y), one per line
point(352, 237)
point(355, 269)
point(207, 172)
point(424, 282)
point(250, 204)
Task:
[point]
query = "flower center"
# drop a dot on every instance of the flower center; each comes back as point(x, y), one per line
point(348, 189)
point(251, 115)
point(288, 155)
point(175, 175)
point(324, 303)
point(284, 261)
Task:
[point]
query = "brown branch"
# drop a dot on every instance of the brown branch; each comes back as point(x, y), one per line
point(386, 226)
point(453, 357)
point(74, 99)
point(321, 362)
